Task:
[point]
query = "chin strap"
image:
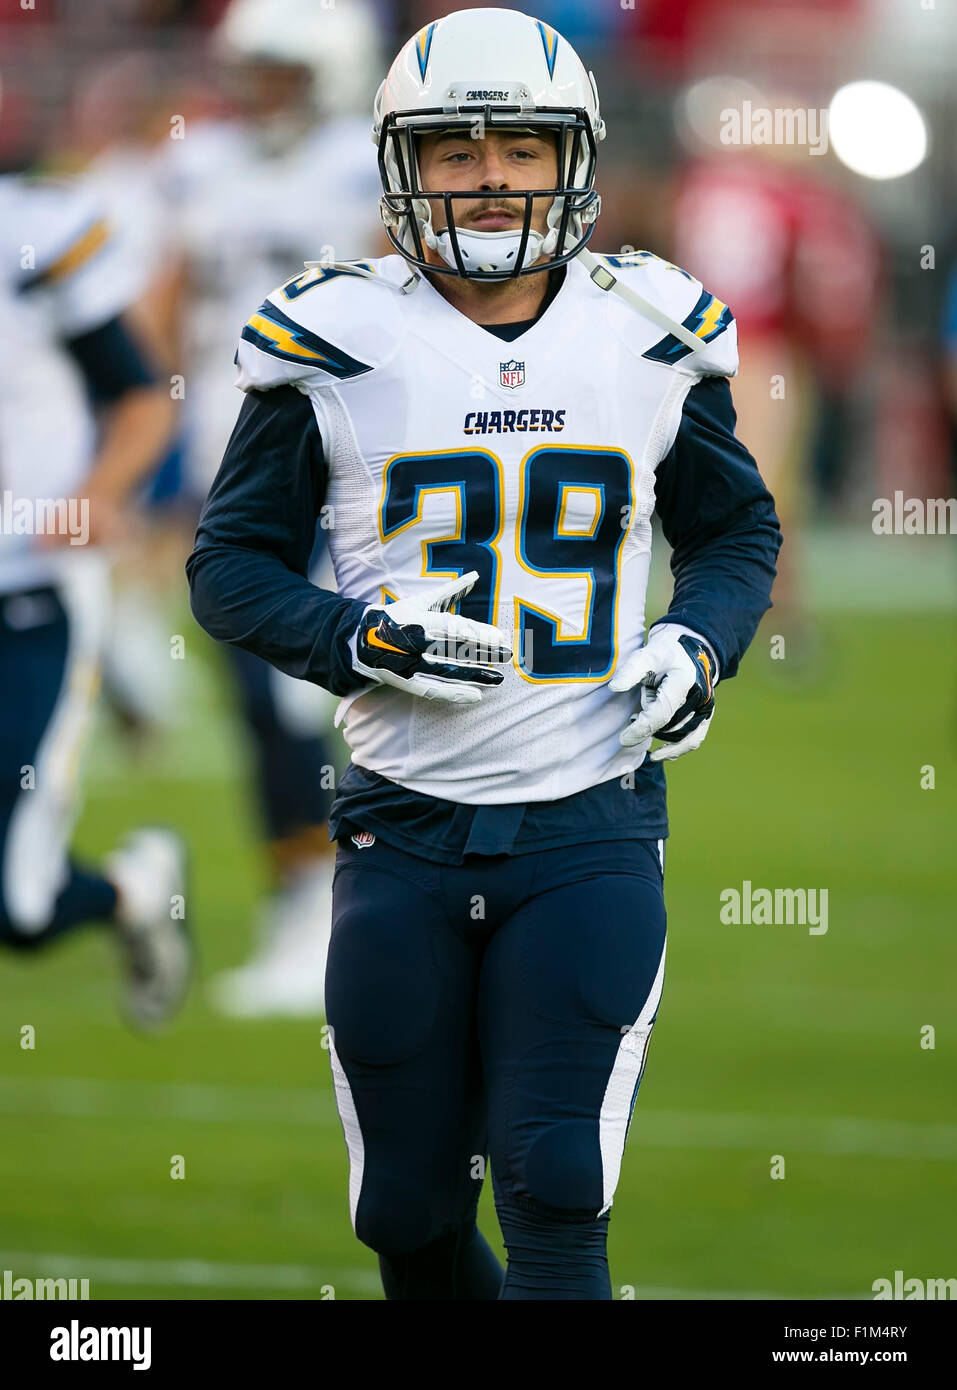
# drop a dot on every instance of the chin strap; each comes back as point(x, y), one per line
point(604, 279)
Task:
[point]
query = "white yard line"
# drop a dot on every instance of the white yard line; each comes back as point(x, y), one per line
point(291, 1278)
point(193, 1102)
point(843, 1136)
point(644, 1292)
point(184, 1273)
point(201, 1103)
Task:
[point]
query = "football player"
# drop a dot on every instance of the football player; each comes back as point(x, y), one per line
point(66, 470)
point(493, 414)
point(290, 175)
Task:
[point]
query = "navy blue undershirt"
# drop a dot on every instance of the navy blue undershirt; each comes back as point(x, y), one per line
point(112, 361)
point(248, 586)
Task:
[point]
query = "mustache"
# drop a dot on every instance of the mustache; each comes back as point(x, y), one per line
point(503, 205)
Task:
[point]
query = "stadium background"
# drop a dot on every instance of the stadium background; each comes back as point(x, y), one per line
point(771, 1040)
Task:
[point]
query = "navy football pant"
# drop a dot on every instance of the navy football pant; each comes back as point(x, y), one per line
point(48, 676)
point(500, 1009)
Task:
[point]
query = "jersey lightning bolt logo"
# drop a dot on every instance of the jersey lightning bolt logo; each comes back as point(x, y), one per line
point(283, 339)
point(708, 318)
point(274, 332)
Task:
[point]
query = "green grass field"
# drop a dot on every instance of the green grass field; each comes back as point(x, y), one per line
point(770, 1040)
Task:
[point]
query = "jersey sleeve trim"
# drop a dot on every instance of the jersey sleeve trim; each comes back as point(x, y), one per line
point(82, 249)
point(275, 333)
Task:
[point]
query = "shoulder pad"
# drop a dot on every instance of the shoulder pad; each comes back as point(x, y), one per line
point(685, 300)
point(325, 325)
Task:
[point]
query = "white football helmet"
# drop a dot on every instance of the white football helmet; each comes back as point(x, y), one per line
point(338, 43)
point(480, 69)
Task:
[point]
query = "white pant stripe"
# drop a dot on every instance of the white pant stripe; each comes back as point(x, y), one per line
point(625, 1075)
point(350, 1124)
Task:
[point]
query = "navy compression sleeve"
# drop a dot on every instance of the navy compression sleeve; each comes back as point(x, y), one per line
point(719, 519)
point(248, 569)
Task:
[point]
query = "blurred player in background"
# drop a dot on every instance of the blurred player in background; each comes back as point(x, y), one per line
point(291, 177)
point(109, 139)
point(82, 420)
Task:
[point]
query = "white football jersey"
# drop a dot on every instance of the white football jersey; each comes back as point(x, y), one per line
point(531, 461)
point(59, 278)
point(242, 216)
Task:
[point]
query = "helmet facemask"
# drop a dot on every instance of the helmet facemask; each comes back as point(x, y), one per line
point(499, 255)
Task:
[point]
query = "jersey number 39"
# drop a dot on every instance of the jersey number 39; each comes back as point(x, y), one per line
point(547, 546)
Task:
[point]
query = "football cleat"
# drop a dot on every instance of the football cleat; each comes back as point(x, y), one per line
point(148, 872)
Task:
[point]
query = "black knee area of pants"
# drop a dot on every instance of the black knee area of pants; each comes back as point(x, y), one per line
point(457, 1265)
point(559, 1173)
point(393, 1223)
point(398, 1220)
point(533, 1207)
point(553, 1253)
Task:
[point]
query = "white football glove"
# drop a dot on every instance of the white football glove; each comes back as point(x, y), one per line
point(417, 645)
point(677, 673)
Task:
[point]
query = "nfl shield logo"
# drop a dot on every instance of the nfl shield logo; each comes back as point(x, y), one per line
point(511, 374)
point(363, 840)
